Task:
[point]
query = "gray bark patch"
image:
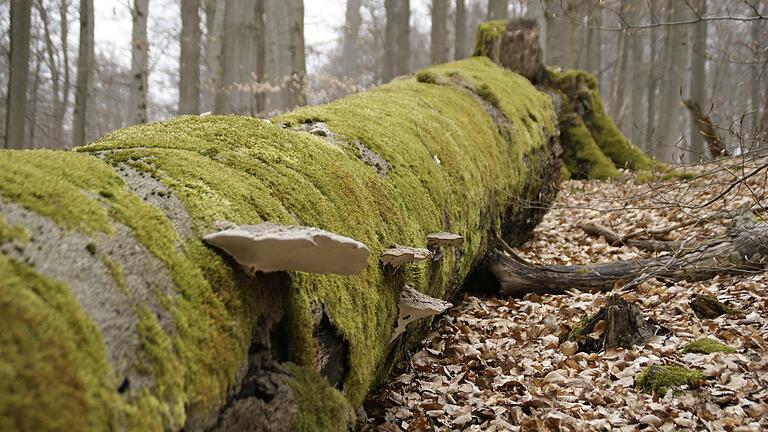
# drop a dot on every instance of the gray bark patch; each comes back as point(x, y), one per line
point(86, 263)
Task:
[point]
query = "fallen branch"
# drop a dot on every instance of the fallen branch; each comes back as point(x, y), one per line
point(744, 250)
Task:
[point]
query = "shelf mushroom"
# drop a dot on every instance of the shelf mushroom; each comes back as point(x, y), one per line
point(444, 239)
point(414, 305)
point(399, 255)
point(268, 247)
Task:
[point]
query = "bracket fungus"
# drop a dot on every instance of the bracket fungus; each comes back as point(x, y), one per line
point(399, 255)
point(414, 305)
point(445, 239)
point(268, 247)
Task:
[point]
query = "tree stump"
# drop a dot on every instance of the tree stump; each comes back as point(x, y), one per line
point(619, 324)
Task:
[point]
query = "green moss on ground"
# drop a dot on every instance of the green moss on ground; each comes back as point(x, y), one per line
point(321, 407)
point(661, 379)
point(582, 86)
point(247, 170)
point(10, 232)
point(707, 346)
point(575, 332)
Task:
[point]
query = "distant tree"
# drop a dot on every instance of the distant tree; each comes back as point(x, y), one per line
point(16, 111)
point(498, 9)
point(460, 49)
point(214, 30)
point(85, 64)
point(350, 50)
point(189, 68)
point(397, 34)
point(439, 31)
point(139, 60)
point(697, 89)
point(57, 59)
point(297, 85)
point(675, 61)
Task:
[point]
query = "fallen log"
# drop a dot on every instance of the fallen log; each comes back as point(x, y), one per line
point(743, 250)
point(116, 315)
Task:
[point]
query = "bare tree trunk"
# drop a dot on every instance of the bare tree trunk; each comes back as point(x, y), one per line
point(33, 106)
point(16, 110)
point(697, 92)
point(675, 59)
point(460, 48)
point(390, 48)
point(404, 38)
point(638, 74)
point(189, 67)
point(60, 97)
point(214, 16)
point(439, 33)
point(757, 69)
point(498, 9)
point(650, 117)
point(85, 62)
point(297, 87)
point(139, 61)
point(260, 45)
point(536, 9)
point(351, 44)
point(594, 57)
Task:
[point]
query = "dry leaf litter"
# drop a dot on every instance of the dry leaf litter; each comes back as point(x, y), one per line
point(496, 364)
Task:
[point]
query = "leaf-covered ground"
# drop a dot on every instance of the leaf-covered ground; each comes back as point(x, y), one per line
point(506, 364)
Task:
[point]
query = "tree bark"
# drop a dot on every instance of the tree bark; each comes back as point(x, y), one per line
point(697, 91)
point(675, 61)
point(189, 61)
point(639, 74)
point(439, 31)
point(397, 50)
point(652, 84)
point(59, 89)
point(139, 61)
point(215, 12)
point(498, 9)
point(350, 49)
point(16, 111)
point(403, 38)
point(298, 85)
point(461, 48)
point(85, 63)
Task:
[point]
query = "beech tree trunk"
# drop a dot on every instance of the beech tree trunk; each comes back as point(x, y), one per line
point(189, 62)
point(351, 35)
point(460, 49)
point(397, 52)
point(85, 63)
point(675, 61)
point(439, 32)
point(498, 9)
point(139, 61)
point(16, 111)
point(697, 90)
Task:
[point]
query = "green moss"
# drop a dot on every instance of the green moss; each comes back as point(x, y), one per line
point(581, 155)
point(54, 374)
point(485, 92)
point(661, 379)
point(582, 86)
point(116, 271)
point(575, 332)
point(486, 33)
point(707, 346)
point(9, 232)
point(427, 77)
point(321, 407)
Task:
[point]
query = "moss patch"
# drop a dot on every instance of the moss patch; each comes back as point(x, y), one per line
point(707, 346)
point(427, 77)
point(9, 232)
point(661, 379)
point(321, 407)
point(581, 155)
point(583, 98)
point(487, 32)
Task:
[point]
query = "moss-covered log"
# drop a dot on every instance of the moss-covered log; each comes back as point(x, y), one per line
point(593, 146)
point(115, 315)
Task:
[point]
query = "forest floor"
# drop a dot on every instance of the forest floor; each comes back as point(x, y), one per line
point(505, 364)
